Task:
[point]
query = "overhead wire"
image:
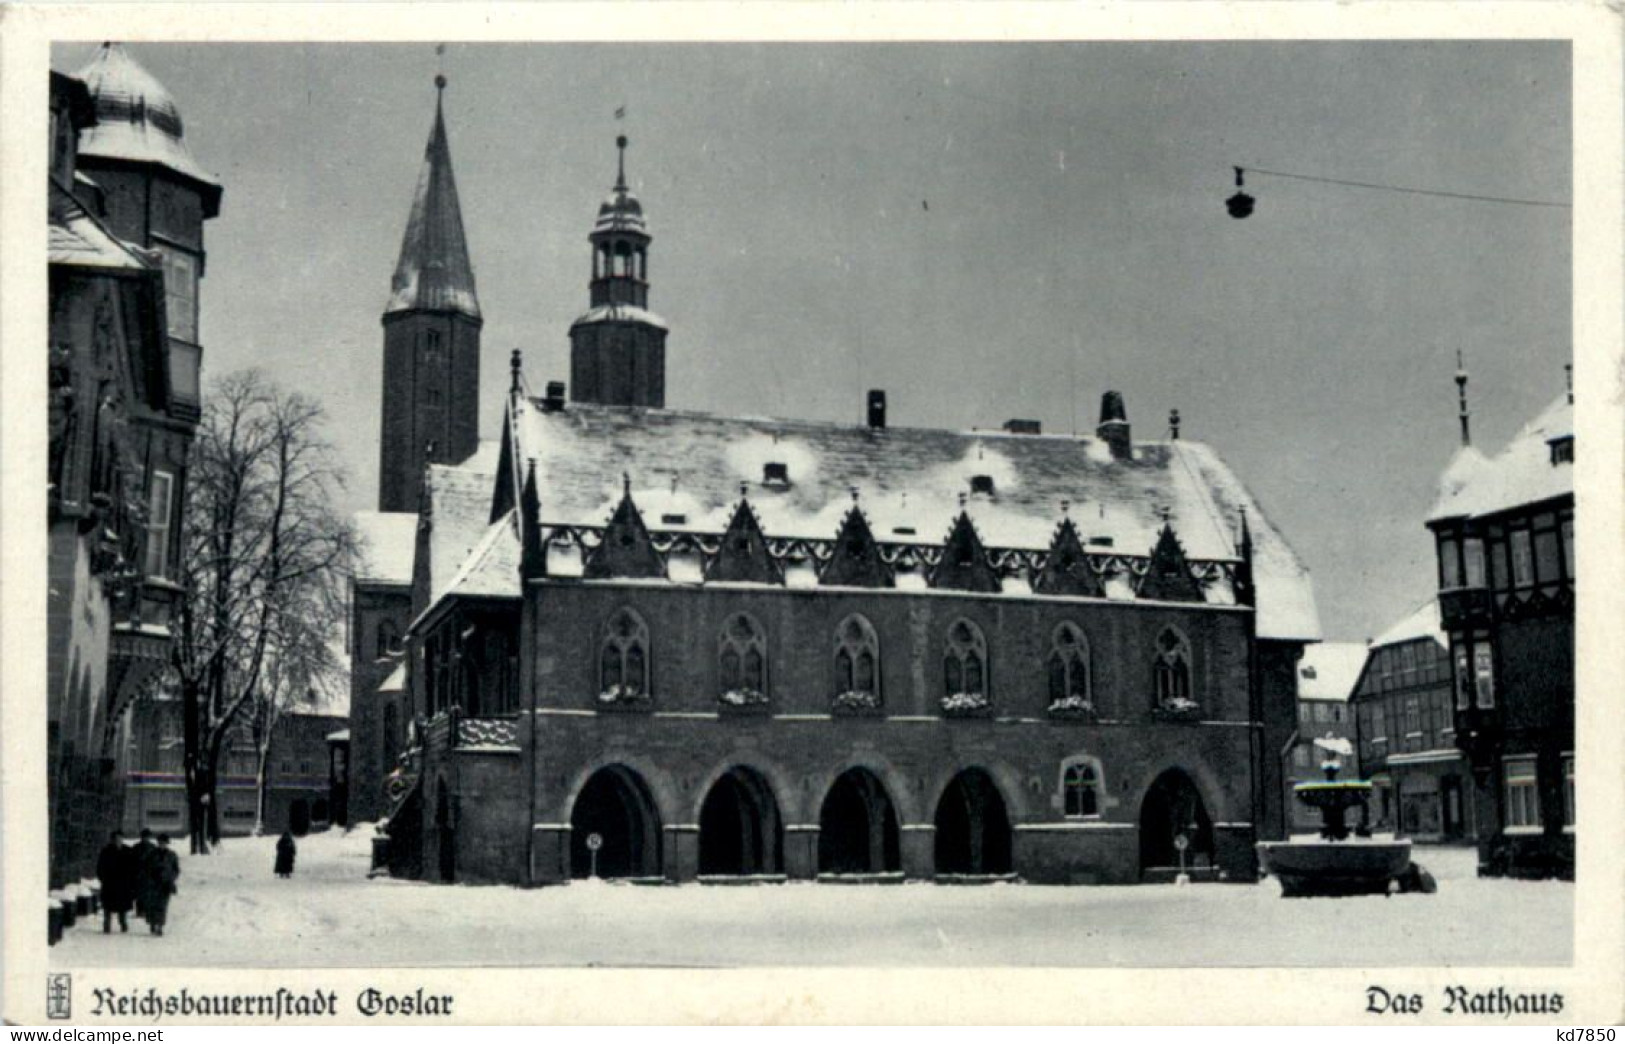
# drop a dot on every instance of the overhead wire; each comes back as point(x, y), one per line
point(1406, 189)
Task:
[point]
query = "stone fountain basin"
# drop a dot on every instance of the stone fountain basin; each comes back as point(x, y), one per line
point(1332, 794)
point(1358, 866)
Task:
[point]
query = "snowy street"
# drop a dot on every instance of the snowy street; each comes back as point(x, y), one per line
point(232, 912)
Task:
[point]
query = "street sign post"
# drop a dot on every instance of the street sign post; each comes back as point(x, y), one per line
point(594, 843)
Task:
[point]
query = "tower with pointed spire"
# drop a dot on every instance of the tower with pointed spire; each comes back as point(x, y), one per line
point(618, 347)
point(431, 335)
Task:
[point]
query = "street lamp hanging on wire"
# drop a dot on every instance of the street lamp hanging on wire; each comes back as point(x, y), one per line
point(1241, 204)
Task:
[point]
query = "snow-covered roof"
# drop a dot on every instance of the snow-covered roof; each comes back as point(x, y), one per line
point(1523, 473)
point(433, 273)
point(77, 237)
point(687, 470)
point(621, 313)
point(137, 121)
point(396, 682)
point(387, 539)
point(492, 569)
point(1329, 670)
point(1421, 622)
point(464, 547)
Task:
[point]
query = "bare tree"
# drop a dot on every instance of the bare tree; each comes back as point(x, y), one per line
point(262, 541)
point(304, 669)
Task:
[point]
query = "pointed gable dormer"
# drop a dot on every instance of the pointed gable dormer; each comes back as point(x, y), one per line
point(1066, 570)
point(625, 550)
point(743, 556)
point(963, 565)
point(1168, 577)
point(855, 560)
point(431, 334)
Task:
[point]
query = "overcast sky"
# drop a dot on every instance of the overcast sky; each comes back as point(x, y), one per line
point(985, 230)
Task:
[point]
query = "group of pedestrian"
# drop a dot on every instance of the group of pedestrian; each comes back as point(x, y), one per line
point(142, 875)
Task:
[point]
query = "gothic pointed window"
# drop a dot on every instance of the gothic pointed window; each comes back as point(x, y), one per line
point(857, 662)
point(1068, 669)
point(965, 670)
point(623, 658)
point(1080, 789)
point(1171, 671)
point(742, 661)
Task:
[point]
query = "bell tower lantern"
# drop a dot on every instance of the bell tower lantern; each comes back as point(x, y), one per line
point(618, 346)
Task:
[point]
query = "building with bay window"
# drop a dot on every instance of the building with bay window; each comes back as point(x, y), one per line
point(127, 204)
point(1504, 531)
point(1407, 733)
point(718, 645)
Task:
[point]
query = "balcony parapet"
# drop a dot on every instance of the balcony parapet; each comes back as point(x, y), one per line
point(1465, 606)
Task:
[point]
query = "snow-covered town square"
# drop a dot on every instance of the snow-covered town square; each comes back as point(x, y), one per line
point(231, 912)
point(1014, 504)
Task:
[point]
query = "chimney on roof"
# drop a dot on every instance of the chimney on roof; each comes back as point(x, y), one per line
point(553, 401)
point(1113, 428)
point(1017, 426)
point(877, 408)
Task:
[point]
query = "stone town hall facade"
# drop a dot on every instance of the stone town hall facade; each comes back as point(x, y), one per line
point(736, 646)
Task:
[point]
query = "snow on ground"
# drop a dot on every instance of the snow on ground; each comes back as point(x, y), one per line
point(232, 912)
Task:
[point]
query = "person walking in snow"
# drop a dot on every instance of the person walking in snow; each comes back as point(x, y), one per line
point(285, 852)
point(139, 857)
point(115, 868)
point(161, 870)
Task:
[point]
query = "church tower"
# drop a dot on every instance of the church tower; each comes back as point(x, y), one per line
point(431, 336)
point(618, 346)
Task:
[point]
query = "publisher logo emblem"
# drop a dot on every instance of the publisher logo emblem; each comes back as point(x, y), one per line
point(59, 996)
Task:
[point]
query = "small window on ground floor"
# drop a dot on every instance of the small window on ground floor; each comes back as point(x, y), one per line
point(1522, 793)
point(1081, 786)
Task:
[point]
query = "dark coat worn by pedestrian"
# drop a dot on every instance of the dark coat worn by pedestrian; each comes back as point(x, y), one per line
point(140, 855)
point(116, 870)
point(160, 872)
point(285, 852)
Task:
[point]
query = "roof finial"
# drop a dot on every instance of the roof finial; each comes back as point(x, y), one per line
point(514, 370)
point(440, 67)
point(854, 491)
point(1066, 507)
point(1173, 422)
point(1568, 380)
point(1461, 394)
point(620, 162)
point(626, 484)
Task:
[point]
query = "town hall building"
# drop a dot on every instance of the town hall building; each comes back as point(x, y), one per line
point(632, 640)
